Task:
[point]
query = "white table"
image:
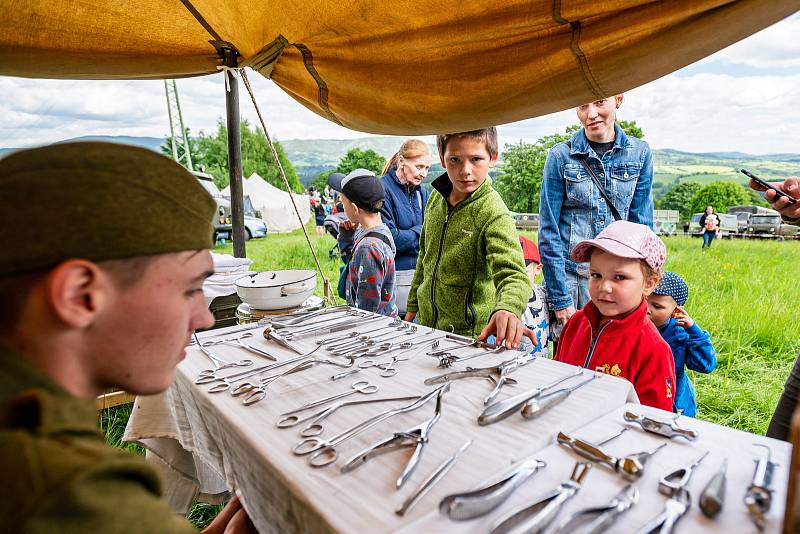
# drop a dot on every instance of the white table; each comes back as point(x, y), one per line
point(240, 447)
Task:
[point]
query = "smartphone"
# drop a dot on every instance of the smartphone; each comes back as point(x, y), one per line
point(768, 185)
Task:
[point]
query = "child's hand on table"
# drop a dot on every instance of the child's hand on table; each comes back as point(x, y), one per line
point(684, 320)
point(506, 327)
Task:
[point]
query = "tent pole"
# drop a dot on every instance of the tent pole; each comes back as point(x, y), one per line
point(234, 153)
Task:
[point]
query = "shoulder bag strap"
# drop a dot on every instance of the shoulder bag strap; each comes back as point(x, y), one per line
point(596, 179)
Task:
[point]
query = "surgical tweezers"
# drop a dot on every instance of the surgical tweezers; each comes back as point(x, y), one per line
point(415, 437)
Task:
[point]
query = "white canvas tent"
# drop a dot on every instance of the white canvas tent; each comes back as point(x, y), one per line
point(274, 204)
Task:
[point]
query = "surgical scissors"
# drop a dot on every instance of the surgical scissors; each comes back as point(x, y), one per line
point(219, 364)
point(360, 386)
point(314, 428)
point(405, 330)
point(229, 380)
point(257, 392)
point(416, 437)
point(323, 452)
point(237, 342)
point(388, 369)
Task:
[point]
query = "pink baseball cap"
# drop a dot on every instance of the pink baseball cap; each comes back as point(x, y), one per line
point(626, 240)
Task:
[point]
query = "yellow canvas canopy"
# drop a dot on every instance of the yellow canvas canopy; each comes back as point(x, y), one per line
point(387, 66)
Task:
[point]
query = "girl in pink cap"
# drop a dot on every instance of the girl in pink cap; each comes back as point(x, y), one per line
point(612, 333)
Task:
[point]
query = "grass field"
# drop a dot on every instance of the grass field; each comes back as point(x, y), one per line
point(743, 292)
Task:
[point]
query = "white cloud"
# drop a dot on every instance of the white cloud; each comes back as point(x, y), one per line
point(773, 47)
point(698, 109)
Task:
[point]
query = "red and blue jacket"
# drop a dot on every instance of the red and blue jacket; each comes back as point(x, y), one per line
point(631, 348)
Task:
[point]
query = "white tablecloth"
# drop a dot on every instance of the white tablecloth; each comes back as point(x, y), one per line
point(240, 447)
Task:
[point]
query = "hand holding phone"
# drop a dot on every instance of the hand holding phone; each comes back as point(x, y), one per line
point(768, 186)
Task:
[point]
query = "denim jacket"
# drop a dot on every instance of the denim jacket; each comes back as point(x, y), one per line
point(571, 208)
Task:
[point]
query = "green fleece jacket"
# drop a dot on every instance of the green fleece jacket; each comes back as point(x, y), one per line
point(470, 262)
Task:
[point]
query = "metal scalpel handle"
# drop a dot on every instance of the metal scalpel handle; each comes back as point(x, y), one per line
point(438, 474)
point(713, 497)
point(471, 504)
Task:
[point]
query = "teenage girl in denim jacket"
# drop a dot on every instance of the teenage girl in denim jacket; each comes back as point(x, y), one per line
point(571, 207)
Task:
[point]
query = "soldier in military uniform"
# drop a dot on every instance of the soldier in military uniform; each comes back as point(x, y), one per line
point(101, 287)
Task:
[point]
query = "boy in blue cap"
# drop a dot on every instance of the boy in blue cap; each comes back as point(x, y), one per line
point(691, 346)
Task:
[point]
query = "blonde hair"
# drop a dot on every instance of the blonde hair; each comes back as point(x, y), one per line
point(410, 149)
point(487, 135)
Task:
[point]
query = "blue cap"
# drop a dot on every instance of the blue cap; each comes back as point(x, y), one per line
point(673, 285)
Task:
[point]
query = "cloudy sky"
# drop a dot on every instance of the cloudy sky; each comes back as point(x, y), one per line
point(745, 98)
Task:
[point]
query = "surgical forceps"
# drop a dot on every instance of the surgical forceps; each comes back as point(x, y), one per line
point(405, 330)
point(673, 482)
point(237, 342)
point(219, 364)
point(500, 410)
point(674, 509)
point(447, 358)
point(298, 319)
point(360, 386)
point(604, 516)
point(333, 342)
point(226, 382)
point(535, 518)
point(257, 392)
point(498, 374)
point(323, 452)
point(415, 437)
point(330, 326)
point(388, 369)
point(314, 427)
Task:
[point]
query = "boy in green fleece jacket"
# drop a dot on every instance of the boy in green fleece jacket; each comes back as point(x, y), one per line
point(470, 276)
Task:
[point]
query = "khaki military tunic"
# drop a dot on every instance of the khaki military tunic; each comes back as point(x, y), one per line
point(56, 472)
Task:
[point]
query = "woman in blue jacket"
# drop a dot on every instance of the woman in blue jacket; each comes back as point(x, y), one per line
point(404, 209)
point(573, 209)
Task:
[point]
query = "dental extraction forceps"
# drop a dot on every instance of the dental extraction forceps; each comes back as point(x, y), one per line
point(219, 364)
point(599, 519)
point(675, 508)
point(498, 374)
point(415, 437)
point(536, 517)
point(237, 342)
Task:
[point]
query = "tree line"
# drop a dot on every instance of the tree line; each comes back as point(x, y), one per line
point(518, 179)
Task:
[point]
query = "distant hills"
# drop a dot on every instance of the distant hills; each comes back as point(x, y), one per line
point(312, 156)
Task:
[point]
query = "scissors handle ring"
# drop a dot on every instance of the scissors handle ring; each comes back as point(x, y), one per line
point(307, 446)
point(363, 386)
point(219, 388)
point(324, 456)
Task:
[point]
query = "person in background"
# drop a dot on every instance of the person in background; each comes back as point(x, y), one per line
point(709, 224)
point(691, 346)
point(573, 208)
point(470, 276)
point(535, 317)
point(108, 300)
point(790, 213)
point(612, 332)
point(319, 217)
point(404, 209)
point(370, 278)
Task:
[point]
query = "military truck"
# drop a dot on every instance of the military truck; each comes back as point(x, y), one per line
point(770, 224)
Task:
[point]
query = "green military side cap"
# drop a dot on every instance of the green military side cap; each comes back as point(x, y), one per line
point(98, 201)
